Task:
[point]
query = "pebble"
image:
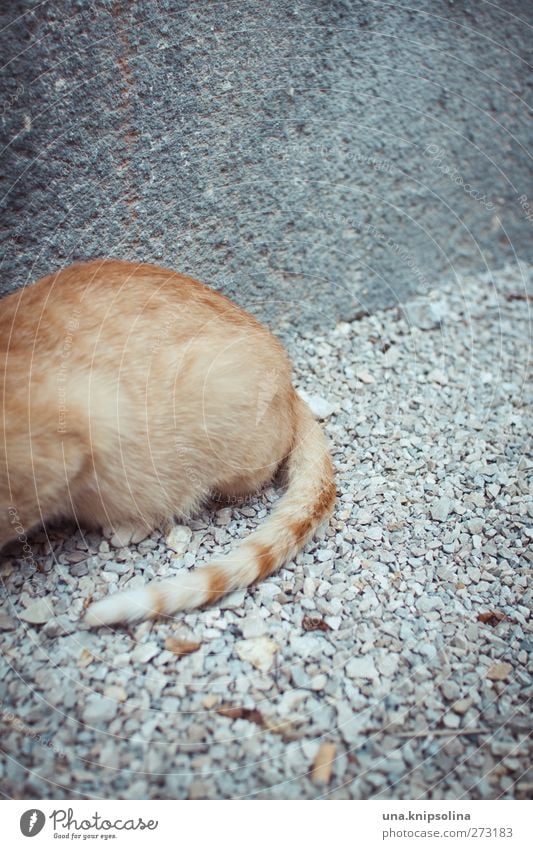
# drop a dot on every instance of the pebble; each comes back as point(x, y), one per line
point(451, 720)
point(252, 626)
point(223, 517)
point(424, 314)
point(364, 376)
point(59, 626)
point(323, 763)
point(499, 671)
point(391, 356)
point(461, 706)
point(362, 667)
point(427, 603)
point(259, 651)
point(320, 407)
point(387, 664)
point(121, 537)
point(144, 652)
point(441, 509)
point(99, 709)
point(234, 601)
point(179, 538)
point(7, 623)
point(116, 692)
point(38, 612)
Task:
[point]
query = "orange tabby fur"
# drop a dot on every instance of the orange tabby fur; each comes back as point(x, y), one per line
point(132, 393)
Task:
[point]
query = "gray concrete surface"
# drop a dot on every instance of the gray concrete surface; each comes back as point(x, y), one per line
point(310, 159)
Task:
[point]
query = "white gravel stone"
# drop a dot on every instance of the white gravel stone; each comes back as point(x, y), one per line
point(441, 509)
point(320, 407)
point(38, 612)
point(253, 626)
point(387, 664)
point(179, 538)
point(233, 601)
point(362, 667)
point(98, 709)
point(364, 376)
point(425, 314)
point(427, 603)
point(259, 651)
point(145, 652)
point(7, 623)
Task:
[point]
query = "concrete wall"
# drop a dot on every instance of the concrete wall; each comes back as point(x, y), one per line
point(311, 159)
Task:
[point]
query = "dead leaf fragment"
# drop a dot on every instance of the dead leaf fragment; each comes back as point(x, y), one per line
point(235, 712)
point(499, 671)
point(284, 727)
point(181, 647)
point(86, 657)
point(518, 296)
point(315, 623)
point(323, 763)
point(492, 617)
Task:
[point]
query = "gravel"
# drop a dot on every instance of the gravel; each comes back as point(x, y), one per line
point(389, 661)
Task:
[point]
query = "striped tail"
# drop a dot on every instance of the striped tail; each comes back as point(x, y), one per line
point(307, 502)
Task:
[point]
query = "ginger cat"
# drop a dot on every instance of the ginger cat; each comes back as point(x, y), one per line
point(132, 393)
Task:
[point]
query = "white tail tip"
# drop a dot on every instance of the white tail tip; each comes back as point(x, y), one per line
point(126, 606)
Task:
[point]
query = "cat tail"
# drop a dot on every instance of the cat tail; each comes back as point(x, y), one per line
point(306, 503)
